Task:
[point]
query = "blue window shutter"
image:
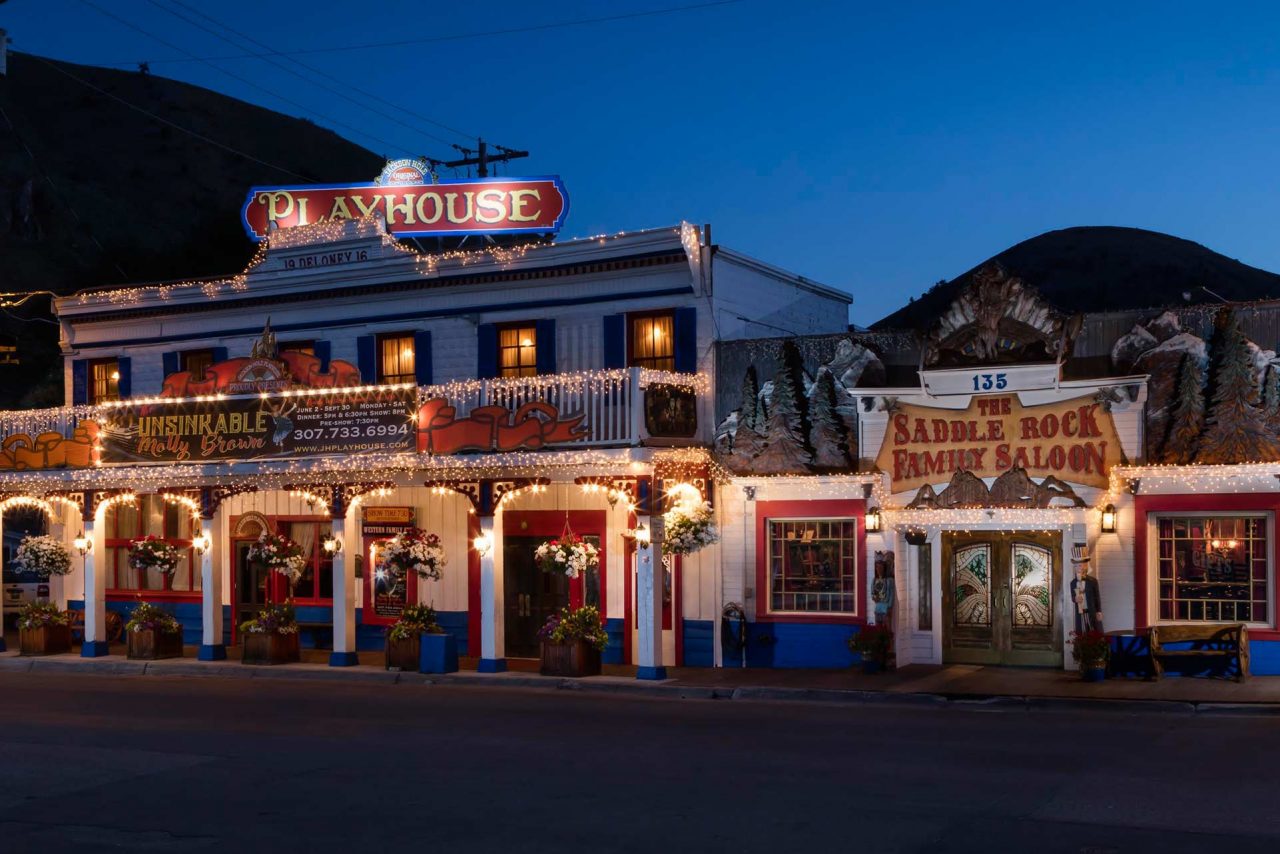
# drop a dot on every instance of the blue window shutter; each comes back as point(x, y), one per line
point(324, 352)
point(172, 362)
point(422, 357)
point(486, 351)
point(367, 357)
point(79, 382)
point(546, 343)
point(124, 365)
point(219, 354)
point(615, 341)
point(685, 322)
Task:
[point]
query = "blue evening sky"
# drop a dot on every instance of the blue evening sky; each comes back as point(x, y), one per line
point(874, 147)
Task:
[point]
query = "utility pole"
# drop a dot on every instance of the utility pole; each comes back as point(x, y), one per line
point(480, 157)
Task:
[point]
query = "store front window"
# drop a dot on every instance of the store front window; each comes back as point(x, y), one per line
point(150, 516)
point(1213, 568)
point(316, 581)
point(812, 566)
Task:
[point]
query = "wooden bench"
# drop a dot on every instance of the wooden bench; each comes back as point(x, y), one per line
point(1226, 641)
point(318, 630)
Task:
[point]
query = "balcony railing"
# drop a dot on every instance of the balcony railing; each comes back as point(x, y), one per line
point(612, 403)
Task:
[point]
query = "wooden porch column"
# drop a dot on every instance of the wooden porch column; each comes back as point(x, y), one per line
point(95, 588)
point(344, 583)
point(492, 640)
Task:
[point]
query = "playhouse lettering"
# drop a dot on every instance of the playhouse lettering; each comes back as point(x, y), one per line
point(1074, 440)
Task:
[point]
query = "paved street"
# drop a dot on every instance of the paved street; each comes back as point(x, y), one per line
point(92, 763)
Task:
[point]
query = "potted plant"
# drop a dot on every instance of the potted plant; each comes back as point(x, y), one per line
point(278, 553)
point(568, 555)
point(153, 553)
point(271, 636)
point(44, 555)
point(689, 525)
point(153, 633)
point(572, 641)
point(873, 645)
point(1091, 650)
point(43, 629)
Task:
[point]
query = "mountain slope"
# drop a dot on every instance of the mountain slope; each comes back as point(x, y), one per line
point(1094, 268)
point(94, 191)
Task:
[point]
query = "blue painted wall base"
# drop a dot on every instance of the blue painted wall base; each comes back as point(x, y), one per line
point(613, 627)
point(94, 649)
point(1131, 656)
point(698, 638)
point(492, 665)
point(212, 652)
point(343, 659)
point(652, 673)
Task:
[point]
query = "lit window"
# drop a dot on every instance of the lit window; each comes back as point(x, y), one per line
point(652, 342)
point(517, 351)
point(306, 347)
point(151, 516)
point(104, 380)
point(197, 361)
point(1213, 568)
point(813, 566)
point(395, 359)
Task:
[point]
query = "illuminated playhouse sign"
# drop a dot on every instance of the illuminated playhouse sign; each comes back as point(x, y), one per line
point(414, 204)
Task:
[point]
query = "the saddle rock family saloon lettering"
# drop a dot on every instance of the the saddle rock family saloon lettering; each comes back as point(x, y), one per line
point(1074, 439)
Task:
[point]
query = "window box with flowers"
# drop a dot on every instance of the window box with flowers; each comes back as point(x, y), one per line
point(571, 642)
point(416, 642)
point(153, 633)
point(43, 629)
point(271, 636)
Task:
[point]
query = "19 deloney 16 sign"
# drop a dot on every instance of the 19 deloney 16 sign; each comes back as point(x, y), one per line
point(474, 206)
point(1074, 440)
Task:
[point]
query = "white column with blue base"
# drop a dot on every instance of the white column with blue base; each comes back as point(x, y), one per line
point(492, 643)
point(95, 599)
point(649, 603)
point(211, 646)
point(344, 598)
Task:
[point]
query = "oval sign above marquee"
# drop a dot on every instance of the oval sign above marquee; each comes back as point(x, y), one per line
point(1074, 440)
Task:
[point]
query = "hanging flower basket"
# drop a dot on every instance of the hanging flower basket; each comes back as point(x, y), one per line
point(688, 527)
point(278, 553)
point(413, 550)
point(153, 633)
point(44, 555)
point(153, 553)
point(568, 555)
point(43, 629)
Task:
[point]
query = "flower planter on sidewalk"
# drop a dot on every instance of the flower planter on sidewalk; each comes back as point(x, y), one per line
point(573, 658)
point(270, 648)
point(153, 644)
point(45, 640)
point(402, 653)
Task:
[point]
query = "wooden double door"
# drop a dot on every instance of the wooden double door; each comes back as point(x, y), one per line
point(1001, 598)
point(530, 595)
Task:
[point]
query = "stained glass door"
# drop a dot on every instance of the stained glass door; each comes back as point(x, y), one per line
point(1001, 598)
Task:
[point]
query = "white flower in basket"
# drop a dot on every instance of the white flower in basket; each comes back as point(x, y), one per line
point(413, 550)
point(152, 552)
point(569, 555)
point(689, 525)
point(279, 554)
point(43, 555)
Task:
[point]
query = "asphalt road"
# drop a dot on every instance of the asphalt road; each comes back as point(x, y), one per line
point(94, 763)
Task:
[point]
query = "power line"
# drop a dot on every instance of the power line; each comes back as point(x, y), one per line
point(393, 146)
point(215, 143)
point(580, 22)
point(285, 67)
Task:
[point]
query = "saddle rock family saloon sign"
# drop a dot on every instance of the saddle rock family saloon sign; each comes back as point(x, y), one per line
point(1075, 440)
point(258, 427)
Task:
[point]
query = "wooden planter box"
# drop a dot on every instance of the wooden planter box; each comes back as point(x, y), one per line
point(150, 645)
point(578, 658)
point(270, 649)
point(46, 640)
point(403, 654)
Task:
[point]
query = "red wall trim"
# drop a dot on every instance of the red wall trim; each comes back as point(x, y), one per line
point(1148, 504)
point(833, 509)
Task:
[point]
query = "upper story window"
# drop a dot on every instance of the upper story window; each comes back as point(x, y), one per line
point(651, 343)
point(197, 362)
point(518, 350)
point(307, 347)
point(104, 380)
point(395, 358)
point(1214, 569)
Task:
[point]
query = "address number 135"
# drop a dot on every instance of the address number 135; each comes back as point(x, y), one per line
point(987, 382)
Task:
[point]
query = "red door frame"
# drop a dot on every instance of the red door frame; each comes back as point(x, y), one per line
point(275, 581)
point(1144, 505)
point(538, 523)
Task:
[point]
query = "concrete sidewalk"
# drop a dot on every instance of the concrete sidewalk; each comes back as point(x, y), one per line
point(914, 685)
